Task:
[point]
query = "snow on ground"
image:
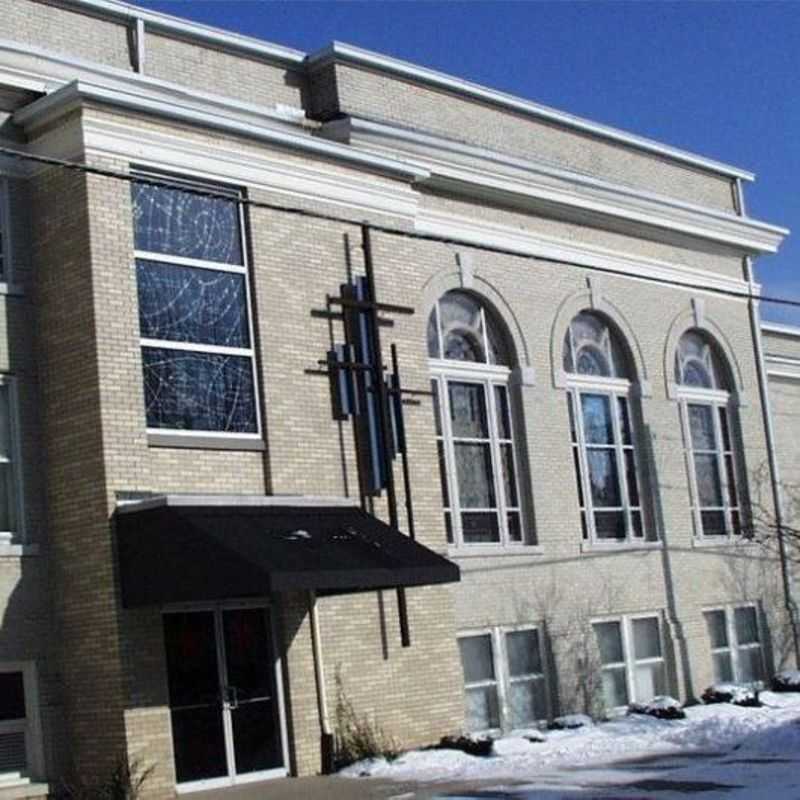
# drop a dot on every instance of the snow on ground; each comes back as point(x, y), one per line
point(750, 734)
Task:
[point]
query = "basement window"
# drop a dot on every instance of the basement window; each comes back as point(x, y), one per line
point(736, 651)
point(20, 753)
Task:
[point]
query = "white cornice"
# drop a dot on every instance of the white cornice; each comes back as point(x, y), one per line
point(191, 30)
point(781, 329)
point(310, 181)
point(513, 240)
point(541, 187)
point(341, 52)
point(76, 94)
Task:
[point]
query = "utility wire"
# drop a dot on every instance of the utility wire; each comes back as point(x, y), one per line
point(205, 191)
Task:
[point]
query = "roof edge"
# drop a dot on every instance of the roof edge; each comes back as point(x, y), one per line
point(235, 500)
point(341, 51)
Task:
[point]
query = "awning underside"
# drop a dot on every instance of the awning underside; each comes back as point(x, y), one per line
point(176, 554)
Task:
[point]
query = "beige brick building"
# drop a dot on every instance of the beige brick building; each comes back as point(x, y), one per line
point(187, 577)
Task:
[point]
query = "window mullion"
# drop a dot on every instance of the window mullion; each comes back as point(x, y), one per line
point(627, 649)
point(501, 674)
point(733, 642)
point(588, 505)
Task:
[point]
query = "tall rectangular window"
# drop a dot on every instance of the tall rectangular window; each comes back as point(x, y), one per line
point(632, 664)
point(736, 649)
point(194, 310)
point(5, 231)
point(20, 734)
point(10, 528)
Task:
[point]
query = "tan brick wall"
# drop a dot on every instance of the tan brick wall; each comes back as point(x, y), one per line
point(371, 94)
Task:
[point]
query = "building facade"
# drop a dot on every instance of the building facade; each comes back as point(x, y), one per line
point(585, 415)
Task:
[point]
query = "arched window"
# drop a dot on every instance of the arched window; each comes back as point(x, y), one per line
point(603, 427)
point(470, 369)
point(707, 417)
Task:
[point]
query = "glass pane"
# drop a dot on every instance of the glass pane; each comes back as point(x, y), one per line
point(615, 689)
point(646, 638)
point(477, 528)
point(186, 224)
point(693, 361)
point(5, 424)
point(630, 474)
point(476, 658)
point(8, 500)
point(597, 425)
point(198, 391)
point(468, 410)
point(509, 477)
point(708, 485)
point(189, 304)
point(723, 425)
point(256, 740)
point(527, 702)
point(514, 527)
point(568, 361)
point(717, 628)
point(437, 411)
point(524, 656)
point(723, 668)
point(624, 420)
point(198, 741)
point(649, 681)
point(191, 651)
point(603, 478)
point(609, 641)
point(701, 426)
point(474, 474)
point(433, 336)
point(593, 344)
point(503, 421)
point(636, 521)
point(448, 526)
point(713, 523)
point(462, 327)
point(443, 475)
point(746, 622)
point(572, 429)
point(578, 479)
point(731, 478)
point(482, 712)
point(609, 524)
point(750, 665)
point(12, 696)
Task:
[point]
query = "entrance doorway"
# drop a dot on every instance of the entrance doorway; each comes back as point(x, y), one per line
point(224, 696)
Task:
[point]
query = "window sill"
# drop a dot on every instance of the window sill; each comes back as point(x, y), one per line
point(9, 550)
point(201, 442)
point(494, 551)
point(619, 547)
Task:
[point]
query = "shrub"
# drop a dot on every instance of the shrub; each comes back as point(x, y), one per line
point(357, 736)
point(480, 746)
point(787, 681)
point(733, 693)
point(661, 707)
point(124, 783)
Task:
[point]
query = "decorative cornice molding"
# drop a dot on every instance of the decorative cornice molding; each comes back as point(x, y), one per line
point(469, 230)
point(346, 53)
point(781, 329)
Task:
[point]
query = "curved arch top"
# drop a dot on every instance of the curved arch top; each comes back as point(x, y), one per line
point(588, 300)
point(453, 278)
point(688, 320)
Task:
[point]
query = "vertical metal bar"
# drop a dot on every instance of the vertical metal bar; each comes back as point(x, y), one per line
point(383, 409)
point(404, 453)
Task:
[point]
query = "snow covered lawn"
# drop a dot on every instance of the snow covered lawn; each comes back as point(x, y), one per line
point(737, 746)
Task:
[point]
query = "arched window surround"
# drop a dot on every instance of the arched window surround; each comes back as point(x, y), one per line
point(605, 431)
point(710, 431)
point(478, 432)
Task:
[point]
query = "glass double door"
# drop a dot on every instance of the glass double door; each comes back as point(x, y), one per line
point(223, 696)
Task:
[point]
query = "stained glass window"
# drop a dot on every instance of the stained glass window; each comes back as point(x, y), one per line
point(707, 416)
point(194, 321)
point(592, 348)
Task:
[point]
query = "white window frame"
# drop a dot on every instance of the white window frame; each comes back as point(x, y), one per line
point(614, 389)
point(630, 661)
point(214, 266)
point(9, 540)
point(31, 726)
point(715, 399)
point(489, 376)
point(733, 648)
point(502, 676)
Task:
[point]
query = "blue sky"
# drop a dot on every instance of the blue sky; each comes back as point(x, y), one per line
point(716, 78)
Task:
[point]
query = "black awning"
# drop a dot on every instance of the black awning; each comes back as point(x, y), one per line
point(179, 553)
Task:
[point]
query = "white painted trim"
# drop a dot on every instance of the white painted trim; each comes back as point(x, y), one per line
point(33, 738)
point(339, 52)
point(784, 374)
point(260, 126)
point(311, 181)
point(472, 231)
point(234, 500)
point(192, 347)
point(781, 329)
point(192, 30)
point(538, 181)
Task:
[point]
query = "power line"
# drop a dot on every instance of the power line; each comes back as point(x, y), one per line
point(206, 191)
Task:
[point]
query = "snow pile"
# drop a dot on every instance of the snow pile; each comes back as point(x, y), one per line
point(787, 681)
point(715, 727)
point(734, 693)
point(661, 707)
